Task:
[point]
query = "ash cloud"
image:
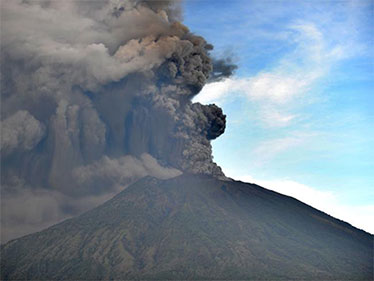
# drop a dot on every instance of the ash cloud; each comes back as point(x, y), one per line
point(222, 68)
point(95, 95)
point(21, 131)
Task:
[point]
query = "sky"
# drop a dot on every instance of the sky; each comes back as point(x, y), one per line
point(300, 105)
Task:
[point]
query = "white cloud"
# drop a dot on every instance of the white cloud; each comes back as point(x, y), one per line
point(274, 92)
point(269, 87)
point(360, 216)
point(275, 117)
point(267, 150)
point(274, 87)
point(217, 91)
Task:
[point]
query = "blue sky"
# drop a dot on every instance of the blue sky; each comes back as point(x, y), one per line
point(300, 106)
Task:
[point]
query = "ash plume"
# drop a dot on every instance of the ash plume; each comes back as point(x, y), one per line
point(95, 95)
point(222, 68)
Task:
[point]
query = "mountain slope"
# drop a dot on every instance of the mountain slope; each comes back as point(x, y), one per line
point(194, 227)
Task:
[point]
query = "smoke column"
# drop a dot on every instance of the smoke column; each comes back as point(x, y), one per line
point(95, 95)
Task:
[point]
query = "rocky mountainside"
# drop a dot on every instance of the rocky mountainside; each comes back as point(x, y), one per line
point(194, 227)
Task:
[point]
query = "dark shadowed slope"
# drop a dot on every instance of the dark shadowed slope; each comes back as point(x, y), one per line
point(194, 227)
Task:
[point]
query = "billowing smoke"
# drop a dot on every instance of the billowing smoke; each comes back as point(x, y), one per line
point(95, 95)
point(222, 68)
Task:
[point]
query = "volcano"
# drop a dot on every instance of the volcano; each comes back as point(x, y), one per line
point(194, 227)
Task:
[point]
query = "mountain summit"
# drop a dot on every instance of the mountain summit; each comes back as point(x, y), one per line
point(194, 227)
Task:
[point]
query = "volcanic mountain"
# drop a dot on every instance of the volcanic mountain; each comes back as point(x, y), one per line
point(194, 227)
